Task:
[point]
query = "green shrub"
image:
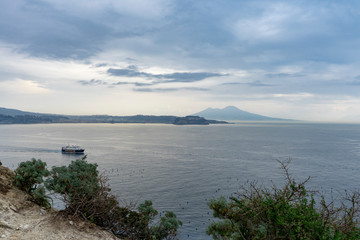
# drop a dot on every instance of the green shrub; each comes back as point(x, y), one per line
point(129, 224)
point(39, 196)
point(289, 212)
point(29, 177)
point(86, 194)
point(78, 185)
point(167, 227)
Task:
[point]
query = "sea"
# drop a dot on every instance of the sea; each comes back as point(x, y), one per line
point(180, 168)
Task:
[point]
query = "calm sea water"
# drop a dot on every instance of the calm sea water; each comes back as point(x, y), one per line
point(180, 168)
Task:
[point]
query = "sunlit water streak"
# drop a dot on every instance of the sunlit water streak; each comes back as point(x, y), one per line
point(181, 167)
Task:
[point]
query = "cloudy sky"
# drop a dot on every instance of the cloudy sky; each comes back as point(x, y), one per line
point(291, 59)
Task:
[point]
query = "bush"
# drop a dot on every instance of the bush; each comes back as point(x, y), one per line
point(29, 177)
point(289, 212)
point(86, 194)
point(167, 227)
point(78, 185)
point(130, 224)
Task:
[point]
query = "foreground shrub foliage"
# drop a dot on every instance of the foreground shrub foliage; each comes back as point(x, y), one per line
point(78, 184)
point(289, 212)
point(29, 176)
point(86, 194)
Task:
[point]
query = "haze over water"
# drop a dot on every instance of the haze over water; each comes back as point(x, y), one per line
point(180, 168)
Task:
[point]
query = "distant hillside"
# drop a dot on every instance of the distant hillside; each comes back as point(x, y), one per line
point(13, 116)
point(233, 113)
point(14, 112)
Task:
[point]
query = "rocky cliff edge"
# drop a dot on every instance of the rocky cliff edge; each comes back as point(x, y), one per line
point(22, 219)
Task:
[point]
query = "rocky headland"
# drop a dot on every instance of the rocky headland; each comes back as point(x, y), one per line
point(22, 219)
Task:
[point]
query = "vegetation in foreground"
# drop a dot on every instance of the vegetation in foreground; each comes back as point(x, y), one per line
point(86, 194)
point(289, 212)
point(29, 176)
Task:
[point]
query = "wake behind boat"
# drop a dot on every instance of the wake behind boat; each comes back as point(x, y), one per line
point(72, 149)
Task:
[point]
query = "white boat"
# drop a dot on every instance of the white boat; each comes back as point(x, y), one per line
point(72, 149)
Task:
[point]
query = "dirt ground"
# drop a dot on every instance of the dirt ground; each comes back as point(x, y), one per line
point(22, 219)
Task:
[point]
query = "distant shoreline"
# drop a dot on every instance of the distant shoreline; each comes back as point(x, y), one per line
point(48, 119)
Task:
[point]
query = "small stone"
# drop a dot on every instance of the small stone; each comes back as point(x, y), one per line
point(71, 222)
point(26, 226)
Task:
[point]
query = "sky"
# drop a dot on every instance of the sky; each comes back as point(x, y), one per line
point(287, 59)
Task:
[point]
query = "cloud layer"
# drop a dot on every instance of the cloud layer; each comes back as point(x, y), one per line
point(291, 59)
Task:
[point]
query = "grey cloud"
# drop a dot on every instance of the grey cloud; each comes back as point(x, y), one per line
point(168, 89)
point(92, 82)
point(283, 75)
point(356, 82)
point(101, 65)
point(127, 72)
point(132, 67)
point(143, 84)
point(121, 83)
point(42, 30)
point(138, 84)
point(130, 60)
point(132, 71)
point(232, 83)
point(252, 84)
point(259, 84)
point(195, 89)
point(95, 82)
point(338, 83)
point(155, 89)
point(187, 76)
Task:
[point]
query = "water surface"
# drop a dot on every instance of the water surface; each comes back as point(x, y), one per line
point(181, 167)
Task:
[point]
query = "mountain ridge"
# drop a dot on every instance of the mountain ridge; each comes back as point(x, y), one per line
point(14, 116)
point(16, 112)
point(211, 115)
point(235, 114)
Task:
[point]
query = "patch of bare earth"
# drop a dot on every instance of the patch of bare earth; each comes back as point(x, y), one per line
point(22, 219)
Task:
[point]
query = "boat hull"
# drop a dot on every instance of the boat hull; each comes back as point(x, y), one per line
point(72, 150)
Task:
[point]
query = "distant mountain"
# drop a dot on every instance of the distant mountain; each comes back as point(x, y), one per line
point(13, 116)
point(14, 112)
point(233, 113)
